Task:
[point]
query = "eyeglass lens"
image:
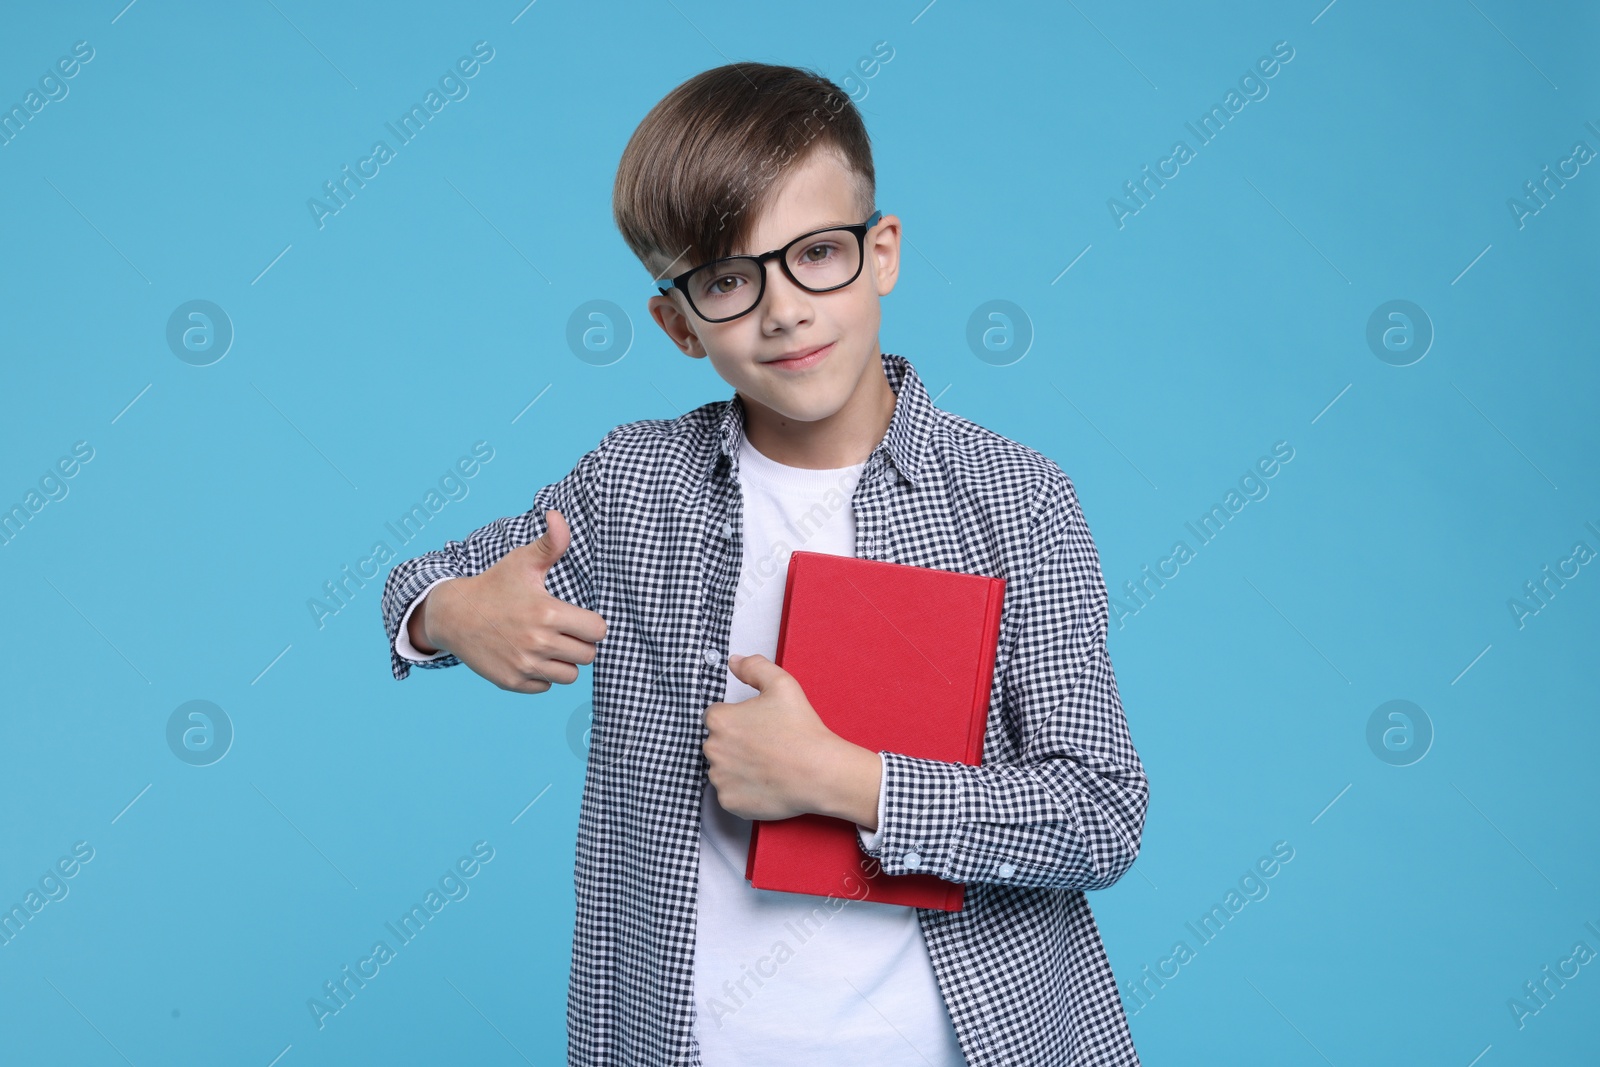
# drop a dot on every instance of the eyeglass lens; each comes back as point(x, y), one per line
point(730, 287)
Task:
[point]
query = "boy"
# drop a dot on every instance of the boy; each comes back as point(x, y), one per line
point(664, 550)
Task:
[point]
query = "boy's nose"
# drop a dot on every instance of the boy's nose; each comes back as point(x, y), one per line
point(784, 301)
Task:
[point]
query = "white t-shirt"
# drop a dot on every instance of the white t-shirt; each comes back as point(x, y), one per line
point(791, 979)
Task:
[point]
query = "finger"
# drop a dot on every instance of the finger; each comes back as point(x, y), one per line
point(758, 672)
point(577, 622)
point(548, 547)
point(570, 650)
point(553, 671)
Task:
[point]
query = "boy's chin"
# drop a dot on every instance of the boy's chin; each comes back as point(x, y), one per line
point(810, 401)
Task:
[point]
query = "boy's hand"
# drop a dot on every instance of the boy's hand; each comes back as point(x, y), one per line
point(772, 756)
point(505, 626)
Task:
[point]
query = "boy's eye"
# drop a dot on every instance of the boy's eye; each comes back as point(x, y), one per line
point(724, 285)
point(818, 253)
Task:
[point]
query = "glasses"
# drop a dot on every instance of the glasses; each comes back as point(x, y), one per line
point(818, 262)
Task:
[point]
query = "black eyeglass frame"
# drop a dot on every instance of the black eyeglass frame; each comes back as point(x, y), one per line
point(781, 255)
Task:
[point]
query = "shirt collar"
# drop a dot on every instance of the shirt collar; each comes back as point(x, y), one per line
point(902, 443)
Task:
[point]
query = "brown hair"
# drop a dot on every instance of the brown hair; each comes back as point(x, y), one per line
point(701, 167)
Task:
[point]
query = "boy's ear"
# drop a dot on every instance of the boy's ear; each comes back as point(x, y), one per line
point(883, 252)
point(675, 324)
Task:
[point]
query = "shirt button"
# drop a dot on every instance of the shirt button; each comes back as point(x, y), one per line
point(1006, 870)
point(727, 529)
point(712, 657)
point(912, 859)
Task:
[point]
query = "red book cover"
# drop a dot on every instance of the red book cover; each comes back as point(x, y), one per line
point(893, 658)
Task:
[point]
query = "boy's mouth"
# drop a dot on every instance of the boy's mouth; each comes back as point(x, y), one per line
point(807, 358)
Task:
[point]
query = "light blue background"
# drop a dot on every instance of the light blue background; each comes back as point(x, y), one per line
point(427, 315)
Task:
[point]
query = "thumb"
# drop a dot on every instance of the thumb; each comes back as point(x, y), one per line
point(549, 546)
point(758, 672)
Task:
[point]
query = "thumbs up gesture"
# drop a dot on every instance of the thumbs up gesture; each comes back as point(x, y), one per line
point(505, 625)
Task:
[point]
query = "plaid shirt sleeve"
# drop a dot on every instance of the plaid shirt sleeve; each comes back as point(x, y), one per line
point(1068, 812)
point(579, 496)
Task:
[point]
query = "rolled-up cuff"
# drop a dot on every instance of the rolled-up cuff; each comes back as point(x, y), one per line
point(919, 830)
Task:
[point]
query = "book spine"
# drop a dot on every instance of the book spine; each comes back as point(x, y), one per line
point(796, 561)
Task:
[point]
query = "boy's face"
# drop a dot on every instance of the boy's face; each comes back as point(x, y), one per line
point(790, 320)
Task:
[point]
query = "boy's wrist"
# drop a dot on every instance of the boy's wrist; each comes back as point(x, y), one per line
point(849, 784)
point(417, 630)
point(427, 629)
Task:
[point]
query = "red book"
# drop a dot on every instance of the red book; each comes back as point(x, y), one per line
point(893, 658)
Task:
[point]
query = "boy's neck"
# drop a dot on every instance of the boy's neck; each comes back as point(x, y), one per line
point(845, 438)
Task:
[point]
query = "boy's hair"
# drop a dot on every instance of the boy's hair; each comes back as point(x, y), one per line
point(700, 168)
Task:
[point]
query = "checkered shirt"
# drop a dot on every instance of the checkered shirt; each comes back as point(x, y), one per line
point(1056, 808)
